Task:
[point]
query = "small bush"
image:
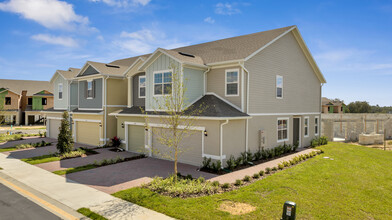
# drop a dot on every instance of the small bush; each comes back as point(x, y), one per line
point(274, 169)
point(268, 170)
point(261, 172)
point(200, 179)
point(231, 163)
point(247, 178)
point(217, 166)
point(206, 163)
point(225, 186)
point(189, 177)
point(249, 157)
point(238, 182)
point(280, 166)
point(292, 162)
point(295, 146)
point(216, 183)
point(257, 156)
point(256, 176)
point(71, 154)
point(286, 164)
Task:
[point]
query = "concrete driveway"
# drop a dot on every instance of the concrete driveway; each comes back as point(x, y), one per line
point(117, 177)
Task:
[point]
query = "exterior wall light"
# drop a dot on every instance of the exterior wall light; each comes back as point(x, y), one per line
point(205, 133)
point(100, 124)
point(122, 125)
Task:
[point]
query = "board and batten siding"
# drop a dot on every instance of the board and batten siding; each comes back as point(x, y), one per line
point(135, 91)
point(60, 103)
point(73, 95)
point(301, 87)
point(96, 101)
point(216, 83)
point(194, 84)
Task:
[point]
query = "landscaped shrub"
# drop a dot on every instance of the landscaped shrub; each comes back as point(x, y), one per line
point(249, 157)
point(274, 169)
point(231, 163)
point(189, 177)
point(295, 146)
point(261, 172)
point(268, 170)
point(201, 179)
point(116, 142)
point(238, 183)
point(72, 154)
point(247, 178)
point(286, 164)
point(225, 185)
point(323, 140)
point(65, 142)
point(206, 163)
point(216, 183)
point(256, 176)
point(217, 166)
point(280, 166)
point(257, 156)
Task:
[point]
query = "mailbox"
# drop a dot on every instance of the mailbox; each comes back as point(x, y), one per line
point(289, 210)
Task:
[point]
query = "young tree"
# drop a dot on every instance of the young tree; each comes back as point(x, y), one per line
point(2, 102)
point(172, 111)
point(64, 141)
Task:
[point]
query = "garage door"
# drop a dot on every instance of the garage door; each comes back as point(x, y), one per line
point(88, 133)
point(54, 126)
point(136, 139)
point(190, 148)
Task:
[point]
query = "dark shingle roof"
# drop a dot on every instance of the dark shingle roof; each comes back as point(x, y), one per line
point(210, 106)
point(86, 111)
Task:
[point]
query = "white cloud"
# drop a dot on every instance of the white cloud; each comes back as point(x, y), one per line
point(226, 9)
point(53, 14)
point(63, 41)
point(209, 20)
point(145, 41)
point(123, 3)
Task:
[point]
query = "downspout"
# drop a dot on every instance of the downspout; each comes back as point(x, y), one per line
point(221, 140)
point(247, 107)
point(205, 79)
point(105, 100)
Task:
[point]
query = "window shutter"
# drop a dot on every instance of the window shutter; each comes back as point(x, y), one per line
point(85, 89)
point(93, 88)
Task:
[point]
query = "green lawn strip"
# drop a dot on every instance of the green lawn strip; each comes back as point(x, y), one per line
point(8, 149)
point(15, 137)
point(75, 169)
point(90, 214)
point(42, 159)
point(356, 184)
point(20, 148)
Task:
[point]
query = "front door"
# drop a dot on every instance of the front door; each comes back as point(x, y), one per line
point(296, 131)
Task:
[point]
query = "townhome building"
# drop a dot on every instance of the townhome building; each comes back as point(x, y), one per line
point(65, 99)
point(22, 101)
point(260, 90)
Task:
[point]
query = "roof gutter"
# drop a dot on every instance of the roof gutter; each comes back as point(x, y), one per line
point(205, 79)
point(221, 140)
point(247, 106)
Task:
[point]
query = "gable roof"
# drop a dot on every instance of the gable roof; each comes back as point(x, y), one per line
point(68, 75)
point(31, 86)
point(128, 61)
point(104, 69)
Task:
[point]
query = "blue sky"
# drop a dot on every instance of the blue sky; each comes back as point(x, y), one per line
point(350, 40)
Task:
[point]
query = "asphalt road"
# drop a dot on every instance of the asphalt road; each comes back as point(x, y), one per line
point(14, 206)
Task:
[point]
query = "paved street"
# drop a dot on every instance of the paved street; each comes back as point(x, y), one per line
point(15, 206)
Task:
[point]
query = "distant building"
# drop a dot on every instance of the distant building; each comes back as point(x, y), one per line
point(332, 106)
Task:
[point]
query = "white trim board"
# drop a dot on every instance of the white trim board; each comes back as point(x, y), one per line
point(215, 157)
point(55, 118)
point(196, 128)
point(283, 114)
point(87, 120)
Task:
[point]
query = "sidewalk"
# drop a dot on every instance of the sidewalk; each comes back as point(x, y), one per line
point(72, 194)
point(240, 174)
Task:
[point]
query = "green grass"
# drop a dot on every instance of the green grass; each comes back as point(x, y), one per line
point(90, 214)
point(75, 169)
point(41, 159)
point(356, 184)
point(14, 137)
point(7, 149)
point(28, 128)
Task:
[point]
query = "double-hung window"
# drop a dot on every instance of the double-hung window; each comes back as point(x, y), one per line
point(306, 126)
point(60, 91)
point(283, 129)
point(316, 125)
point(142, 86)
point(279, 87)
point(162, 83)
point(90, 91)
point(7, 100)
point(232, 82)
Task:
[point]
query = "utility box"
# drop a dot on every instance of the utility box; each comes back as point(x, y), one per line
point(289, 211)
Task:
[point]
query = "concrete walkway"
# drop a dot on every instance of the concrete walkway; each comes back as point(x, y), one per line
point(240, 174)
point(72, 194)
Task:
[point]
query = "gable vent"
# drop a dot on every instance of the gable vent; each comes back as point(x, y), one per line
point(186, 54)
point(112, 66)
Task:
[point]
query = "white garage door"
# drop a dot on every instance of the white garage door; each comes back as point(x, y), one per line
point(190, 148)
point(54, 125)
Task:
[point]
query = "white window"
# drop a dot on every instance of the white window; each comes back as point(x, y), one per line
point(162, 83)
point(232, 82)
point(279, 87)
point(142, 86)
point(60, 91)
point(316, 125)
point(306, 126)
point(283, 129)
point(90, 89)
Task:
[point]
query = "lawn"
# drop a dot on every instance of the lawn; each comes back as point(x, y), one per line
point(356, 184)
point(14, 137)
point(41, 159)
